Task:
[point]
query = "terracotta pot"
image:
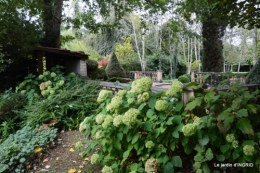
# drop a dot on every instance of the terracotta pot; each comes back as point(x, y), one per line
point(50, 123)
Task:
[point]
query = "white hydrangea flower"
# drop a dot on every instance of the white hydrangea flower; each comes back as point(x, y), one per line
point(145, 96)
point(235, 144)
point(121, 93)
point(149, 144)
point(23, 91)
point(60, 83)
point(152, 165)
point(53, 74)
point(94, 159)
point(107, 169)
point(40, 76)
point(103, 94)
point(98, 134)
point(43, 86)
point(175, 88)
point(107, 121)
point(48, 83)
point(82, 127)
point(117, 120)
point(72, 74)
point(230, 137)
point(249, 150)
point(197, 121)
point(161, 105)
point(115, 103)
point(46, 73)
point(142, 85)
point(130, 116)
point(100, 118)
point(188, 129)
point(78, 145)
point(130, 101)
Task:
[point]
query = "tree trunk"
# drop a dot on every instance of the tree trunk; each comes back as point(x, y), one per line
point(212, 45)
point(52, 23)
point(255, 41)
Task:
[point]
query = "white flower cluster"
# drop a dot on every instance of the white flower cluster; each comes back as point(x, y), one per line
point(152, 165)
point(107, 121)
point(249, 150)
point(78, 145)
point(41, 76)
point(53, 74)
point(122, 93)
point(130, 101)
point(83, 125)
point(197, 121)
point(118, 119)
point(107, 169)
point(100, 118)
point(115, 104)
point(103, 94)
point(46, 73)
point(189, 129)
point(175, 88)
point(161, 105)
point(130, 116)
point(230, 137)
point(143, 97)
point(98, 134)
point(142, 85)
point(94, 159)
point(149, 144)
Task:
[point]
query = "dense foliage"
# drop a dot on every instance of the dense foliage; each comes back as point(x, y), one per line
point(19, 148)
point(140, 131)
point(114, 68)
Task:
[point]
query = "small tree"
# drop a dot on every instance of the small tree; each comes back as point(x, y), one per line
point(114, 68)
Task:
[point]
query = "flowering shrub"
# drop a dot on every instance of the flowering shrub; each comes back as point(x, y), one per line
point(152, 134)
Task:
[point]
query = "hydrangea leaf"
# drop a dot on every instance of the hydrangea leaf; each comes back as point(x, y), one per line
point(135, 138)
point(242, 113)
point(245, 126)
point(176, 161)
point(209, 154)
point(152, 102)
point(197, 102)
point(204, 141)
point(147, 126)
point(220, 158)
point(168, 168)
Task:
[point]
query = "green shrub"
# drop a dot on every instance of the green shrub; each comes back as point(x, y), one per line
point(18, 149)
point(138, 130)
point(92, 64)
point(114, 69)
point(98, 73)
point(68, 107)
point(184, 78)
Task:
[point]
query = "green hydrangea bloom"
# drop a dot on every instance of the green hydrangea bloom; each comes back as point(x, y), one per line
point(152, 165)
point(53, 74)
point(45, 93)
point(98, 134)
point(197, 121)
point(230, 137)
point(48, 83)
point(145, 96)
point(249, 150)
point(235, 144)
point(23, 91)
point(72, 74)
point(94, 159)
point(107, 121)
point(46, 73)
point(122, 93)
point(115, 103)
point(103, 94)
point(188, 129)
point(130, 116)
point(83, 125)
point(149, 144)
point(142, 85)
point(174, 88)
point(130, 101)
point(78, 145)
point(41, 76)
point(52, 92)
point(161, 105)
point(117, 120)
point(107, 169)
point(100, 118)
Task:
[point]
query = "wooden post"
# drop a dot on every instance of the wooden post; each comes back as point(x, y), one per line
point(159, 76)
point(40, 55)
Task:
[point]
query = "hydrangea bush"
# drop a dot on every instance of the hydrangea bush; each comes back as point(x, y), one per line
point(137, 130)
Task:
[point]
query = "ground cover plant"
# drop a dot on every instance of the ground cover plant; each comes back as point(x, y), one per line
point(17, 150)
point(141, 131)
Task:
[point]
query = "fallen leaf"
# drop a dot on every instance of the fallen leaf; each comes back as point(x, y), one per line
point(38, 149)
point(86, 159)
point(79, 171)
point(72, 150)
point(81, 166)
point(72, 171)
point(28, 166)
point(47, 166)
point(45, 160)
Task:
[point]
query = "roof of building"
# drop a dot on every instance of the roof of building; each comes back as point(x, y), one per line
point(64, 52)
